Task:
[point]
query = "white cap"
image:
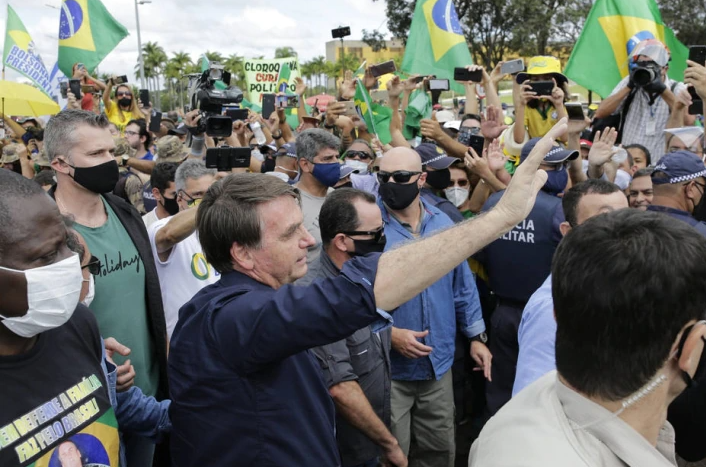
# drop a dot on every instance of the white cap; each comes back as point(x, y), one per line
point(453, 124)
point(688, 135)
point(443, 116)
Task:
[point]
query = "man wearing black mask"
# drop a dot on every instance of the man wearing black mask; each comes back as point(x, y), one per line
point(164, 192)
point(678, 183)
point(424, 332)
point(516, 264)
point(435, 164)
point(128, 300)
point(357, 369)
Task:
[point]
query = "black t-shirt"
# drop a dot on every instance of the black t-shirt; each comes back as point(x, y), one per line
point(54, 404)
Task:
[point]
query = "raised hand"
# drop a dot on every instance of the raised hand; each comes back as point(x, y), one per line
point(603, 147)
point(493, 125)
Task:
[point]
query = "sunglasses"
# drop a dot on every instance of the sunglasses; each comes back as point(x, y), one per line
point(461, 183)
point(399, 176)
point(191, 202)
point(94, 266)
point(362, 155)
point(377, 234)
point(123, 93)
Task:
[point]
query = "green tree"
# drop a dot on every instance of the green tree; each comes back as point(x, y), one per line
point(687, 18)
point(236, 65)
point(214, 57)
point(284, 52)
point(375, 39)
point(155, 59)
point(175, 70)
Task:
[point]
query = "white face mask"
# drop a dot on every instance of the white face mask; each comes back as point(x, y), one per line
point(456, 195)
point(88, 299)
point(360, 166)
point(52, 295)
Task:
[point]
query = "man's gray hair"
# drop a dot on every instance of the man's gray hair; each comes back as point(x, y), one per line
point(191, 169)
point(59, 133)
point(311, 142)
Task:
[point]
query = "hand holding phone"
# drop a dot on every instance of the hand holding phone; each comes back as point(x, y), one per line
point(464, 74)
point(574, 111)
point(542, 88)
point(383, 68)
point(512, 67)
point(438, 85)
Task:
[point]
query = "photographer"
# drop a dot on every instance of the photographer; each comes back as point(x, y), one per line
point(649, 96)
point(123, 108)
point(80, 72)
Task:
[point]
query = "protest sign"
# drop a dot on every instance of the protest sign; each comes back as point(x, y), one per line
point(261, 76)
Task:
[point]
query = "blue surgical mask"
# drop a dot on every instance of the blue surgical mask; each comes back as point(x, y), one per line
point(327, 174)
point(556, 181)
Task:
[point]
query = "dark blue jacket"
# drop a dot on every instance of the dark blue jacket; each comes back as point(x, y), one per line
point(518, 262)
point(681, 215)
point(246, 391)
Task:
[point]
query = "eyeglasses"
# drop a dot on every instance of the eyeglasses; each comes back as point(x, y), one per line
point(399, 176)
point(377, 234)
point(362, 155)
point(131, 133)
point(555, 167)
point(703, 186)
point(461, 183)
point(191, 202)
point(94, 266)
point(692, 149)
point(123, 93)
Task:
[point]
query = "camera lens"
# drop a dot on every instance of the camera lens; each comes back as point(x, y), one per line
point(643, 76)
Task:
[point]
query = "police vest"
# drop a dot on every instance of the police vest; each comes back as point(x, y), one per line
point(148, 197)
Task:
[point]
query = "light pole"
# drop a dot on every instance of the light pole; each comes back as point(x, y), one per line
point(139, 42)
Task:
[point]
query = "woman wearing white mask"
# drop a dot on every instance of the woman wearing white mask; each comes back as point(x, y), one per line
point(360, 157)
point(459, 190)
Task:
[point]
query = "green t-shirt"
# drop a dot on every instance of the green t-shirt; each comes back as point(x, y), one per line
point(120, 304)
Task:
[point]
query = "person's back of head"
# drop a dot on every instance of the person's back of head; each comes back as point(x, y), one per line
point(625, 284)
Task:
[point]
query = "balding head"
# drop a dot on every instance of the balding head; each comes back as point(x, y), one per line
point(401, 159)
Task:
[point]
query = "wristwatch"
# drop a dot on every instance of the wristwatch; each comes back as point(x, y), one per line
point(277, 134)
point(482, 338)
point(125, 159)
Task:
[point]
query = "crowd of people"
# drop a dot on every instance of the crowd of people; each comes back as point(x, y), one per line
point(344, 302)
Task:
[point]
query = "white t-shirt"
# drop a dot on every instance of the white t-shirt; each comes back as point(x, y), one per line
point(183, 274)
point(311, 206)
point(150, 218)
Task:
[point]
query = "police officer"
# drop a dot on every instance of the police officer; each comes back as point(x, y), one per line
point(678, 183)
point(516, 264)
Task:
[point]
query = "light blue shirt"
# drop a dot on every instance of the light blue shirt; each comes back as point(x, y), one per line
point(537, 338)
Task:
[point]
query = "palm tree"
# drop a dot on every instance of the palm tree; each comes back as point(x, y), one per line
point(236, 65)
point(214, 57)
point(178, 66)
point(318, 65)
point(284, 52)
point(307, 71)
point(155, 58)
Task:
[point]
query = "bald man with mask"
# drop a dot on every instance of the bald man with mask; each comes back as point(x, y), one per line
point(425, 326)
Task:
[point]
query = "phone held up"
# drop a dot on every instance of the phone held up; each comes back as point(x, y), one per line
point(697, 53)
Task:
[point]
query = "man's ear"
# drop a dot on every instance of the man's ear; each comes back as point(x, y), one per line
point(564, 228)
point(422, 179)
point(304, 165)
point(693, 347)
point(339, 242)
point(157, 195)
point(241, 257)
point(60, 165)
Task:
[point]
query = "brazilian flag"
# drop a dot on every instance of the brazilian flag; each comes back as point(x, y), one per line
point(87, 34)
point(613, 27)
point(436, 43)
point(377, 117)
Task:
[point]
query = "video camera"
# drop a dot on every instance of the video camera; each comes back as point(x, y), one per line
point(33, 133)
point(644, 73)
point(204, 96)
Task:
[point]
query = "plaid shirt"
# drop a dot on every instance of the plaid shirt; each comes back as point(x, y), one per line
point(640, 114)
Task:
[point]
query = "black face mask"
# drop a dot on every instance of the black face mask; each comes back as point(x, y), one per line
point(398, 196)
point(439, 179)
point(99, 179)
point(125, 102)
point(170, 205)
point(365, 247)
point(268, 165)
point(345, 185)
point(700, 209)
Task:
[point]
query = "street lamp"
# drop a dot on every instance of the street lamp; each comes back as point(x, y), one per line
point(139, 42)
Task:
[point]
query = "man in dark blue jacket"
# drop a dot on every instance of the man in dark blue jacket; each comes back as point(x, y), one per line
point(245, 390)
point(517, 264)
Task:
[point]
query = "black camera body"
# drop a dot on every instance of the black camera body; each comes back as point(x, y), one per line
point(226, 158)
point(210, 101)
point(645, 73)
point(33, 133)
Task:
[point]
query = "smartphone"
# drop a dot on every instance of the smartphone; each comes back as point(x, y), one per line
point(75, 87)
point(464, 135)
point(462, 74)
point(697, 53)
point(575, 111)
point(542, 88)
point(87, 88)
point(697, 105)
point(155, 122)
point(236, 113)
point(418, 79)
point(512, 67)
point(350, 108)
point(438, 84)
point(226, 158)
point(286, 102)
point(477, 142)
point(120, 79)
point(145, 97)
point(383, 68)
point(80, 66)
point(268, 105)
point(64, 88)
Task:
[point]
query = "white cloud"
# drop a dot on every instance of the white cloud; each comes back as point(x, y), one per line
point(247, 28)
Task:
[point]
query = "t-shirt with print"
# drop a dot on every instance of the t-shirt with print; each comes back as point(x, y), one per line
point(182, 275)
point(114, 116)
point(539, 122)
point(120, 304)
point(54, 404)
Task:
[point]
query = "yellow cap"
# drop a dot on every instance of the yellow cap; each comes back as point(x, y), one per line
point(543, 65)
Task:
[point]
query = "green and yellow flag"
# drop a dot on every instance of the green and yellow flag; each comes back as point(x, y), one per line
point(21, 54)
point(283, 78)
point(87, 33)
point(436, 43)
point(377, 117)
point(600, 57)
